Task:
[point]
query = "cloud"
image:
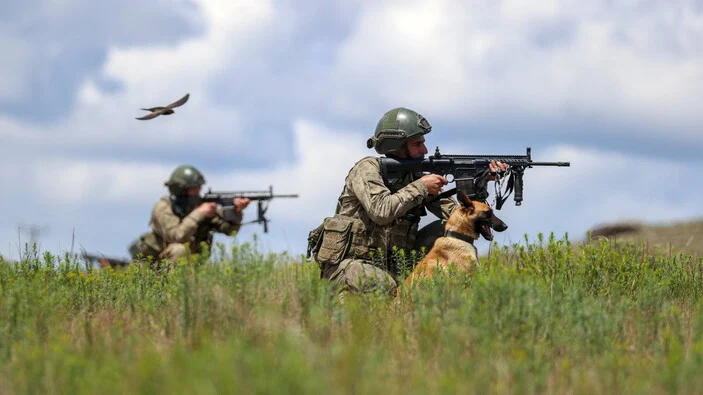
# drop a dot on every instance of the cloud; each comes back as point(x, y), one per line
point(63, 43)
point(13, 69)
point(571, 71)
point(637, 63)
point(73, 181)
point(285, 93)
point(150, 75)
point(324, 157)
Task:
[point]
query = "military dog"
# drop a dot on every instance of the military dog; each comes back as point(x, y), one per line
point(467, 222)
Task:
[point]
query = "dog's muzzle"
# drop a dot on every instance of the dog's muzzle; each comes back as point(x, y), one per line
point(497, 224)
point(486, 228)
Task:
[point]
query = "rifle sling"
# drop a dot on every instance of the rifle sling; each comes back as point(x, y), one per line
point(500, 199)
point(442, 195)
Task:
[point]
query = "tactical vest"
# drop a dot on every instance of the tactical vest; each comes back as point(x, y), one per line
point(343, 237)
point(150, 244)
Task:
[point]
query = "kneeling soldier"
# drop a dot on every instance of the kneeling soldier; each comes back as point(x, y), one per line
point(374, 214)
point(180, 222)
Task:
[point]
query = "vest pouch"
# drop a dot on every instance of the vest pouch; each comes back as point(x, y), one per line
point(361, 241)
point(315, 241)
point(148, 245)
point(336, 240)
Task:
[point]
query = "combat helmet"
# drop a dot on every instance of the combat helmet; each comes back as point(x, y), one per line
point(395, 128)
point(184, 177)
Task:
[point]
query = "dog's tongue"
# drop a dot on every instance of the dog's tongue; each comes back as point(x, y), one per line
point(487, 232)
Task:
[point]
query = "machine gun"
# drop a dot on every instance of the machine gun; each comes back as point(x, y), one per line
point(262, 198)
point(470, 172)
point(102, 261)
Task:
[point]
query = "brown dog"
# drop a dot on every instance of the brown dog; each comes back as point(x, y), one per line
point(469, 221)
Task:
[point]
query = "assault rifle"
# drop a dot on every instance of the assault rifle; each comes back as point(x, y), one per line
point(262, 198)
point(471, 172)
point(103, 261)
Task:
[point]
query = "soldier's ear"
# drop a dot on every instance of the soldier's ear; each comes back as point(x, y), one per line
point(464, 200)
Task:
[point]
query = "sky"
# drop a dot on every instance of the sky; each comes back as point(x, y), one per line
point(285, 93)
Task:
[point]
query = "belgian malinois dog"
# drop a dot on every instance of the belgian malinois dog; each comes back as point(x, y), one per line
point(468, 221)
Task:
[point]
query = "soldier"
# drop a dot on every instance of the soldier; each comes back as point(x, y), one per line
point(181, 219)
point(372, 216)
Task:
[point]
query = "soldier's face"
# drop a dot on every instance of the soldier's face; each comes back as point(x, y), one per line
point(416, 147)
point(193, 191)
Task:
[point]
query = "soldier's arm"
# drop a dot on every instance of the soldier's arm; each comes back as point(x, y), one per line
point(228, 228)
point(382, 206)
point(172, 228)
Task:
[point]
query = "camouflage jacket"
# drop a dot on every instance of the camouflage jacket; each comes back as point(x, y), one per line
point(194, 228)
point(390, 213)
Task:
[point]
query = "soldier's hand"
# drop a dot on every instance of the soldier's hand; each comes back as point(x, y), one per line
point(434, 183)
point(241, 203)
point(497, 168)
point(208, 209)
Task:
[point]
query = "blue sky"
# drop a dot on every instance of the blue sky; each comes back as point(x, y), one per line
point(286, 93)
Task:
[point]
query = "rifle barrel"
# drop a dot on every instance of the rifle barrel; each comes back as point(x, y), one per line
point(560, 164)
point(262, 197)
point(249, 195)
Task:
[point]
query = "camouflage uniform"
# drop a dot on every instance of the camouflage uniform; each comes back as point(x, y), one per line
point(382, 217)
point(374, 216)
point(193, 229)
point(175, 225)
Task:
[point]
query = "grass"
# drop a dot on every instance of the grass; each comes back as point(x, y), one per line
point(539, 318)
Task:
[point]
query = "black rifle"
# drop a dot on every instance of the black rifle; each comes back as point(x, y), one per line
point(471, 172)
point(224, 199)
point(103, 261)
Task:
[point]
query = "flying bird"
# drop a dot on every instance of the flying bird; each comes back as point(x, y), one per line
point(168, 110)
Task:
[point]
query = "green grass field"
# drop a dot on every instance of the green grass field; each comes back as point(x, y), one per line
point(543, 318)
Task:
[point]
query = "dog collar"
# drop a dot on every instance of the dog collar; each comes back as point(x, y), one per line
point(460, 236)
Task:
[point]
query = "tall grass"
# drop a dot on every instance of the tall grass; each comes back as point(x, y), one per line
point(544, 317)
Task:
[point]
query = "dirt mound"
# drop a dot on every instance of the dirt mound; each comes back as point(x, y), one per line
point(675, 237)
point(615, 229)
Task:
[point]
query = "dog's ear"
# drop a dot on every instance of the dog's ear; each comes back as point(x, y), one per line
point(464, 200)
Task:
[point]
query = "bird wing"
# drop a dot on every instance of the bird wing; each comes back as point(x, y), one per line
point(150, 115)
point(180, 101)
point(154, 109)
